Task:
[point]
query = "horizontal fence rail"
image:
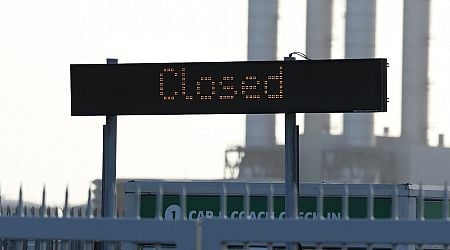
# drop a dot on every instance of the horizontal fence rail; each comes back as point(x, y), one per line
point(211, 234)
point(217, 232)
point(65, 230)
point(128, 230)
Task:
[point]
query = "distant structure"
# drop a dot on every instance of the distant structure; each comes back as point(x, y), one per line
point(356, 156)
point(261, 153)
point(120, 187)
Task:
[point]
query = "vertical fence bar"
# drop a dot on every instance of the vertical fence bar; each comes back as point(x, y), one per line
point(89, 245)
point(223, 201)
point(41, 245)
point(138, 201)
point(445, 202)
point(370, 203)
point(183, 202)
point(270, 202)
point(395, 202)
point(421, 212)
point(198, 235)
point(345, 202)
point(319, 205)
point(247, 201)
point(159, 202)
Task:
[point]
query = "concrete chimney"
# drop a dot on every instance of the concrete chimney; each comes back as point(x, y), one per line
point(416, 22)
point(359, 43)
point(318, 46)
point(262, 45)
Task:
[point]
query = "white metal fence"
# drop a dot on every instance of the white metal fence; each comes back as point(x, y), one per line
point(69, 231)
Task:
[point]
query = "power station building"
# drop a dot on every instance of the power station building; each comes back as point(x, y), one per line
point(356, 156)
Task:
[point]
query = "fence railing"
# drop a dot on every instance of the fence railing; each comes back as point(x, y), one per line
point(209, 234)
point(68, 232)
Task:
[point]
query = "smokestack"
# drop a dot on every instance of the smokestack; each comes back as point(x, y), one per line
point(262, 45)
point(359, 43)
point(318, 46)
point(416, 19)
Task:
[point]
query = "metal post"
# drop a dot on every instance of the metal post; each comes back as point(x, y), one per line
point(109, 166)
point(109, 175)
point(290, 168)
point(297, 156)
point(103, 214)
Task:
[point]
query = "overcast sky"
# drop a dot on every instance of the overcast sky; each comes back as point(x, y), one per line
point(41, 143)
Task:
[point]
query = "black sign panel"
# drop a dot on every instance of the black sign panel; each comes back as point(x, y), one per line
point(313, 86)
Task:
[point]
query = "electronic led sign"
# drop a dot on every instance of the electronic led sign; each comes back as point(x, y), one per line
point(254, 87)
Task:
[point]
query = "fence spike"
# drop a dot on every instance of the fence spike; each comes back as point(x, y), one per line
point(89, 205)
point(1, 209)
point(43, 209)
point(66, 203)
point(20, 206)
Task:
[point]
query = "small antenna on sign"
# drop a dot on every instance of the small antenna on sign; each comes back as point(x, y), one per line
point(303, 55)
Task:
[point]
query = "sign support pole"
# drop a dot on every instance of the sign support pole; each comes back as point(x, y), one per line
point(291, 166)
point(109, 193)
point(109, 203)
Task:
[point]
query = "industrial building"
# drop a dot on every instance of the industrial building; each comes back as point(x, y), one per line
point(356, 156)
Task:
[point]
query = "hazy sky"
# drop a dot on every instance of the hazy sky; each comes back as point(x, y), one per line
point(41, 143)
